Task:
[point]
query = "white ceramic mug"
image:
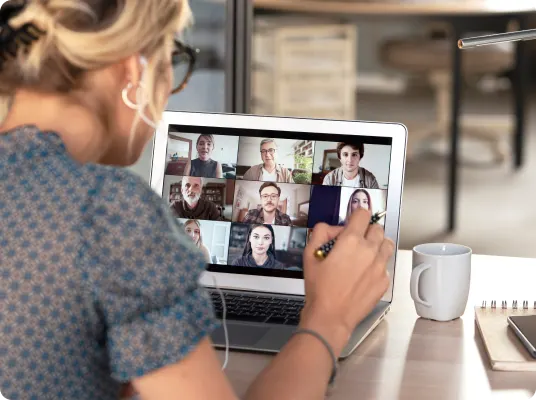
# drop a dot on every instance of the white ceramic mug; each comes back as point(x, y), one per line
point(440, 280)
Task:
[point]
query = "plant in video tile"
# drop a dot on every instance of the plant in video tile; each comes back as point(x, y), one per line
point(303, 163)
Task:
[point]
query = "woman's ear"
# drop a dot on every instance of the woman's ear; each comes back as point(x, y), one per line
point(133, 68)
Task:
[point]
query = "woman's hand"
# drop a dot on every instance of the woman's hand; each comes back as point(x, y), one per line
point(344, 287)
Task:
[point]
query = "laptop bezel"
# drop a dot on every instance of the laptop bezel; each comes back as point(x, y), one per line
point(282, 285)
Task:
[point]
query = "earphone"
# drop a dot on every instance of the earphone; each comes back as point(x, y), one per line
point(140, 104)
point(141, 100)
point(226, 334)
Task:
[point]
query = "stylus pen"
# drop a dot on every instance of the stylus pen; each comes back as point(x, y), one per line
point(528, 34)
point(323, 251)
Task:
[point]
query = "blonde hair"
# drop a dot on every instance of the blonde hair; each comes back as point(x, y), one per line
point(84, 35)
point(199, 242)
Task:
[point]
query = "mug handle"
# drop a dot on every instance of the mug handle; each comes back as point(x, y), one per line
point(414, 284)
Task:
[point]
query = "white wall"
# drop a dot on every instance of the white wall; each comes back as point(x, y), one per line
point(301, 193)
point(177, 146)
point(282, 235)
point(376, 159)
point(250, 152)
point(225, 147)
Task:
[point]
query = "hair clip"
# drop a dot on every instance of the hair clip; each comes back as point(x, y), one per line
point(12, 38)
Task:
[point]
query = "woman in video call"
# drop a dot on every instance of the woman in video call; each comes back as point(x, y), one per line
point(259, 251)
point(99, 286)
point(204, 166)
point(350, 173)
point(359, 199)
point(192, 227)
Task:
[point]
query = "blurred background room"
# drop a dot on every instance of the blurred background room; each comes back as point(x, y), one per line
point(470, 173)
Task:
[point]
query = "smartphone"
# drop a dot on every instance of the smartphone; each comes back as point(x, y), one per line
point(524, 327)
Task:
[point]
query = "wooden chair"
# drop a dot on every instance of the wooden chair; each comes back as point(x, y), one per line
point(431, 58)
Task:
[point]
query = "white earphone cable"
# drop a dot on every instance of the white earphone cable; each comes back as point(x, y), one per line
point(224, 323)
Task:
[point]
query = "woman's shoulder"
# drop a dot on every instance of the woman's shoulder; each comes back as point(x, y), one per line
point(113, 182)
point(119, 197)
point(144, 273)
point(45, 158)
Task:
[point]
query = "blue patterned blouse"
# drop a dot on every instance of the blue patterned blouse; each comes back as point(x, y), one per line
point(97, 283)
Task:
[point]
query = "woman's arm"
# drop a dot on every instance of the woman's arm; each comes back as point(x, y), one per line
point(197, 376)
point(219, 170)
point(302, 369)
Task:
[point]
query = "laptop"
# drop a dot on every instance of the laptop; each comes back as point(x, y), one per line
point(249, 189)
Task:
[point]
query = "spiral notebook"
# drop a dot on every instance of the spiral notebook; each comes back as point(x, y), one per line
point(505, 351)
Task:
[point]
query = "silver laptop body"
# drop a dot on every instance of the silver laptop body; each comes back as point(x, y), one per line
point(236, 148)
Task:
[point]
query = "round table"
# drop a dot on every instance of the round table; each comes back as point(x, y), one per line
point(401, 7)
point(463, 16)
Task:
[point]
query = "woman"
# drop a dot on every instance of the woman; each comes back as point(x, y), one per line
point(99, 283)
point(192, 227)
point(359, 199)
point(204, 166)
point(350, 174)
point(259, 251)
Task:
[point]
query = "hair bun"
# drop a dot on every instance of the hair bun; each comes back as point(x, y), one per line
point(11, 38)
point(10, 9)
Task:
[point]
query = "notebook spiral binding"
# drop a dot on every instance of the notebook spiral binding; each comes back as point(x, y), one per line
point(504, 305)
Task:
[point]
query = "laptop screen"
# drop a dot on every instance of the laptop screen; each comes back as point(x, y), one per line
point(250, 198)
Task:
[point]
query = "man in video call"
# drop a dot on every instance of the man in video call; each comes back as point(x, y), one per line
point(269, 213)
point(269, 170)
point(350, 173)
point(192, 206)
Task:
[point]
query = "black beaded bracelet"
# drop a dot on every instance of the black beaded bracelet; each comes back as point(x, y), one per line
point(328, 347)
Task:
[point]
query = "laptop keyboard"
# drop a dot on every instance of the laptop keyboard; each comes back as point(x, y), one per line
point(253, 308)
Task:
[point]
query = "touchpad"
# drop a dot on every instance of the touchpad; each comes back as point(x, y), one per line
point(240, 334)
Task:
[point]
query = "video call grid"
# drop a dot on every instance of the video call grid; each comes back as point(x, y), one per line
point(313, 193)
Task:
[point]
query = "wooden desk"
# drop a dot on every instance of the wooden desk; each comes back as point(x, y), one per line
point(409, 358)
point(463, 16)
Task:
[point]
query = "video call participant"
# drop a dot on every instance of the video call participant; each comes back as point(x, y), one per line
point(192, 227)
point(192, 206)
point(259, 251)
point(269, 170)
point(350, 173)
point(359, 199)
point(269, 213)
point(204, 166)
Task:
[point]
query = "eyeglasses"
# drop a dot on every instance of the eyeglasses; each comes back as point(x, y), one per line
point(269, 151)
point(269, 196)
point(183, 60)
